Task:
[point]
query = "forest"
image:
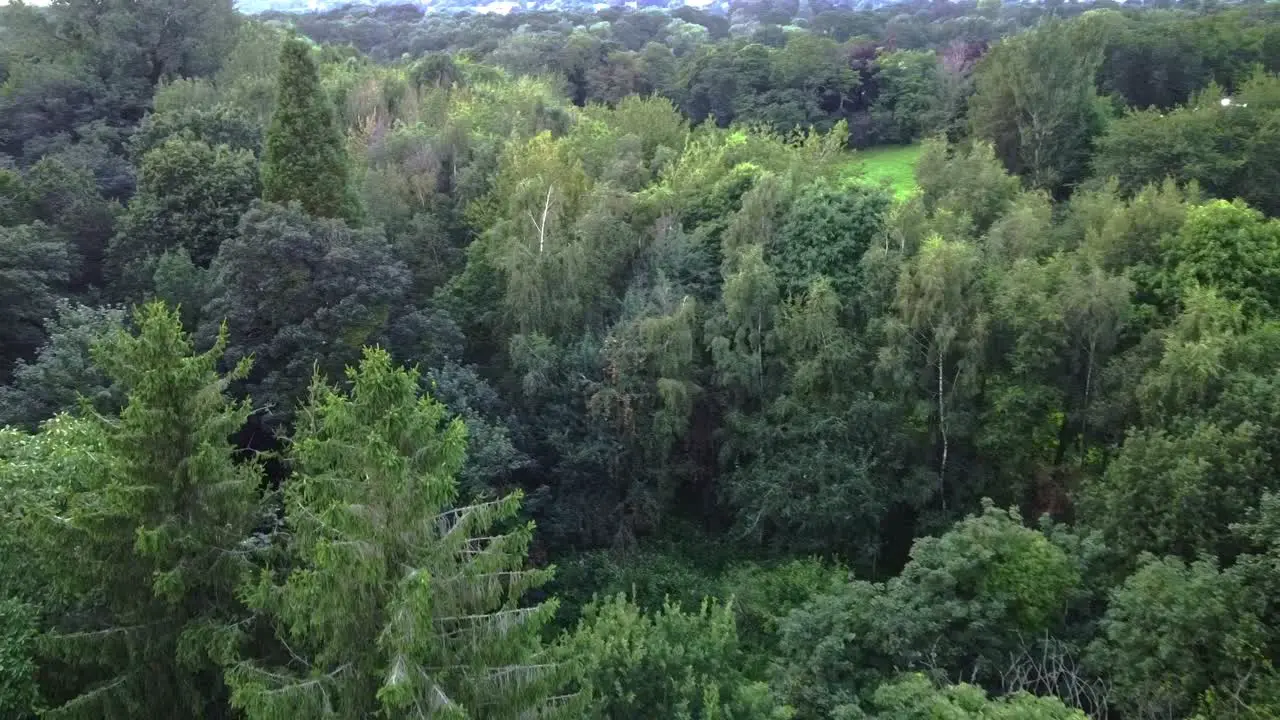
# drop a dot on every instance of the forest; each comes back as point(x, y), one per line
point(375, 363)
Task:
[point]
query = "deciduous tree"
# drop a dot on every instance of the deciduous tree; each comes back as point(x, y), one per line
point(1035, 101)
point(190, 195)
point(673, 663)
point(35, 268)
point(299, 293)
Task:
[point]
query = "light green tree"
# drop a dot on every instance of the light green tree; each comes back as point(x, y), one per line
point(398, 599)
point(684, 665)
point(1227, 246)
point(914, 697)
point(969, 182)
point(149, 528)
point(552, 268)
point(742, 338)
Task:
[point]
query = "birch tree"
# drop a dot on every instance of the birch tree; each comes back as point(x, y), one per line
point(545, 266)
point(936, 338)
point(741, 339)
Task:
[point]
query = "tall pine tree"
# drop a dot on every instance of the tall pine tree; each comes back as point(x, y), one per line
point(150, 530)
point(304, 159)
point(398, 601)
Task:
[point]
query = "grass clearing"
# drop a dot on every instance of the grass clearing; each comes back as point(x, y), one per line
point(895, 164)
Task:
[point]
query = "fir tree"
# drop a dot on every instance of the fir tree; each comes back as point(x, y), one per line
point(398, 600)
point(148, 529)
point(304, 160)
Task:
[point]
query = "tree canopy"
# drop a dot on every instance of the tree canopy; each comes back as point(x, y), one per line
point(760, 360)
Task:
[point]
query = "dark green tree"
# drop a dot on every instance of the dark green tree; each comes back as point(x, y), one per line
point(190, 195)
point(65, 197)
point(15, 205)
point(62, 371)
point(297, 293)
point(813, 468)
point(305, 160)
point(1226, 143)
point(19, 691)
point(825, 233)
point(1058, 321)
point(910, 99)
point(1035, 101)
point(1185, 486)
point(1173, 631)
point(1150, 61)
point(963, 603)
point(45, 99)
point(1146, 146)
point(35, 267)
point(1202, 452)
point(136, 45)
point(222, 124)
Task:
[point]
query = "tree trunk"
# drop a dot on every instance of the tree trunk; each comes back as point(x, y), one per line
point(942, 428)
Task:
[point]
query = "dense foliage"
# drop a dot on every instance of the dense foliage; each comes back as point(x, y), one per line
point(374, 364)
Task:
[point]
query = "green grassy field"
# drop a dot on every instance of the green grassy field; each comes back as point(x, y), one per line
point(896, 164)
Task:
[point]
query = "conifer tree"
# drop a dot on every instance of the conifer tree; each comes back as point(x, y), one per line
point(149, 535)
point(304, 159)
point(398, 601)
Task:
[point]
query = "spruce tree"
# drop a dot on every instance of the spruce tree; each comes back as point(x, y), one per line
point(148, 530)
point(398, 601)
point(304, 159)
